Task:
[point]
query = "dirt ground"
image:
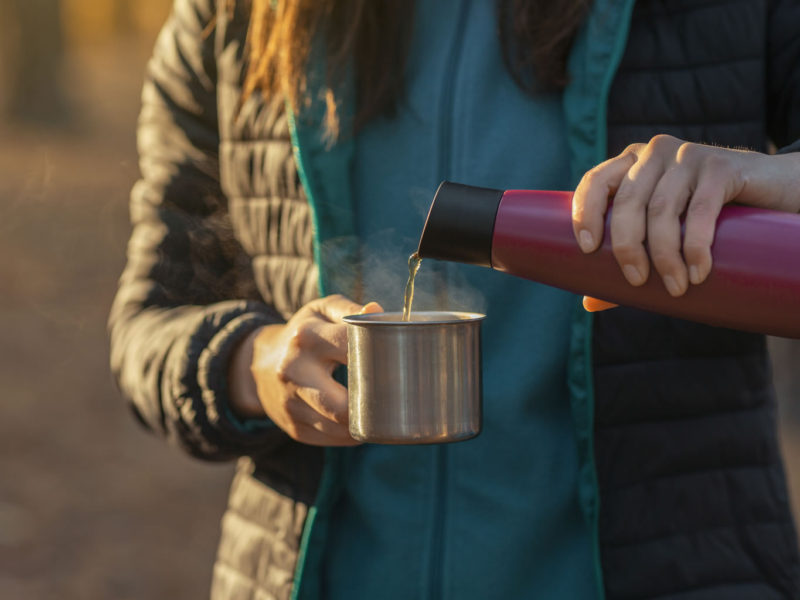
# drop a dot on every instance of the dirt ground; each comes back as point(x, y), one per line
point(91, 506)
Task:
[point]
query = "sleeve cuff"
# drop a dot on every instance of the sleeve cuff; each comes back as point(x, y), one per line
point(242, 433)
point(795, 147)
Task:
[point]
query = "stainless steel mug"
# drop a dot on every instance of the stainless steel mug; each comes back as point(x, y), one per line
point(414, 382)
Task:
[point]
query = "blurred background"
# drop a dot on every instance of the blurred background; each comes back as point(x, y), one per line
point(91, 506)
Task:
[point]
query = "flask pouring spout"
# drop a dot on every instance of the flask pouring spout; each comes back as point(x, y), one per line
point(460, 224)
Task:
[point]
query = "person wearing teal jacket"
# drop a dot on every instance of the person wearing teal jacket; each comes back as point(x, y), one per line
point(530, 507)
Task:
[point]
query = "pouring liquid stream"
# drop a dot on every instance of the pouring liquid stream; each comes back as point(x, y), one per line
point(414, 262)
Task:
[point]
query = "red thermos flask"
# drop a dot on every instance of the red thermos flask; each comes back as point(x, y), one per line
point(754, 284)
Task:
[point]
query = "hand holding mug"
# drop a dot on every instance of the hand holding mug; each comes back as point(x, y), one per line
point(285, 371)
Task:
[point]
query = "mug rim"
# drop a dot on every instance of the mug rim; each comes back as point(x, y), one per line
point(395, 318)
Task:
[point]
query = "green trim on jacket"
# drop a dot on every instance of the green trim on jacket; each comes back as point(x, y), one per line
point(325, 171)
point(593, 63)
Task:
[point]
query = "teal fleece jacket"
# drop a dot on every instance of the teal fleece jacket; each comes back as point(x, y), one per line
point(497, 516)
point(330, 177)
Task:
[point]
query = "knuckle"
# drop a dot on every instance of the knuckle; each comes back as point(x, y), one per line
point(305, 311)
point(700, 206)
point(285, 370)
point(592, 176)
point(338, 341)
point(304, 336)
point(659, 205)
point(625, 251)
point(340, 415)
point(283, 375)
point(663, 140)
point(665, 260)
point(633, 149)
point(693, 244)
point(624, 196)
point(694, 251)
point(686, 151)
point(331, 408)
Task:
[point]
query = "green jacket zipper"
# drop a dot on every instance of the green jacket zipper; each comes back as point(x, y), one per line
point(593, 64)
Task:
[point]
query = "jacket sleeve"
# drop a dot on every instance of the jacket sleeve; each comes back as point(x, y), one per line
point(182, 303)
point(783, 69)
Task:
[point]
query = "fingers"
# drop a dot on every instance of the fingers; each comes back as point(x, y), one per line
point(631, 206)
point(325, 341)
point(308, 426)
point(313, 437)
point(293, 371)
point(312, 381)
point(653, 186)
point(316, 409)
point(590, 201)
point(326, 336)
point(699, 182)
point(325, 395)
point(664, 210)
point(701, 221)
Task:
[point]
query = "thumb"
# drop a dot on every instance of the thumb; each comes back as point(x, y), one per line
point(334, 308)
point(371, 307)
point(596, 305)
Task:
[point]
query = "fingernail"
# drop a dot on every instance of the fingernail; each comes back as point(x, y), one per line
point(586, 241)
point(633, 275)
point(672, 285)
point(694, 274)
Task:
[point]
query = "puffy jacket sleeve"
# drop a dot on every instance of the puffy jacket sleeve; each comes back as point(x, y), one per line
point(783, 91)
point(182, 303)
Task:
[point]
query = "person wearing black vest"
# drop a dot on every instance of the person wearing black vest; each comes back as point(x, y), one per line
point(687, 496)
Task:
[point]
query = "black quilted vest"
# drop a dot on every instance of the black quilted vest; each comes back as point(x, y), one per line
point(693, 497)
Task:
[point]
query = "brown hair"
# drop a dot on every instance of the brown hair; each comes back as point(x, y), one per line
point(536, 36)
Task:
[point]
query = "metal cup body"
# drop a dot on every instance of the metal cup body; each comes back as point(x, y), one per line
point(414, 382)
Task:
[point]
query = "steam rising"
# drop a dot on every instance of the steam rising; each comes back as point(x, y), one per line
point(439, 285)
point(376, 268)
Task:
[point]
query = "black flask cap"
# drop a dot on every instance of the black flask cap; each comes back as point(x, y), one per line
point(460, 224)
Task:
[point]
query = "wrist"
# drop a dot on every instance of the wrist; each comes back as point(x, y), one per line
point(242, 391)
point(789, 165)
point(773, 182)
